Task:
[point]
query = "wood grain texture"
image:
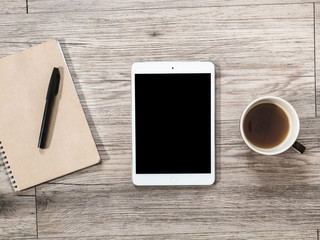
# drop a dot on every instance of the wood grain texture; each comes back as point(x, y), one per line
point(122, 209)
point(17, 211)
point(13, 6)
point(317, 54)
point(261, 49)
point(261, 235)
point(10, 47)
point(17, 216)
point(44, 6)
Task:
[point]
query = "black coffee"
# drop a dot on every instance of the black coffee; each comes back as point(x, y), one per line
point(266, 125)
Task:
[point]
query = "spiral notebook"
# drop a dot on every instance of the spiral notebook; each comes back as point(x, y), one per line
point(24, 79)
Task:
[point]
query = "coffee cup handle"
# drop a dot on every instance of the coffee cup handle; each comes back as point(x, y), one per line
point(299, 147)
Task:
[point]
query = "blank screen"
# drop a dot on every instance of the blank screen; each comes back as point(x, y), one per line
point(173, 123)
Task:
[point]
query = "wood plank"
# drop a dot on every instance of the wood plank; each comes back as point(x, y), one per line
point(44, 6)
point(317, 55)
point(13, 6)
point(261, 235)
point(11, 47)
point(122, 209)
point(261, 49)
point(17, 216)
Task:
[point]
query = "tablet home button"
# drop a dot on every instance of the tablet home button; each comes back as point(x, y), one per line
point(174, 180)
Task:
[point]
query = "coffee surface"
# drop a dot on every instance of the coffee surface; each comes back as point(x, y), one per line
point(266, 125)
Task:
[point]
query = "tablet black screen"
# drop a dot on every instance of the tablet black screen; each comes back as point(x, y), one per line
point(173, 123)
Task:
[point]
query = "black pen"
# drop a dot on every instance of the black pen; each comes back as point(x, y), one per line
point(53, 89)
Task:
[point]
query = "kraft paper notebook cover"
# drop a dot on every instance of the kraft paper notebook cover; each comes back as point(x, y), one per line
point(24, 79)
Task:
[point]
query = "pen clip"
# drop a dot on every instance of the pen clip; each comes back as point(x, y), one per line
point(57, 82)
point(54, 83)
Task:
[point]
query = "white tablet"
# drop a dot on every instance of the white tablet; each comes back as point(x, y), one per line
point(173, 105)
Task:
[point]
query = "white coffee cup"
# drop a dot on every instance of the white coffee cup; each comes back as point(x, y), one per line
point(293, 132)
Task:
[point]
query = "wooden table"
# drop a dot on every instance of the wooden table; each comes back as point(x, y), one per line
point(259, 47)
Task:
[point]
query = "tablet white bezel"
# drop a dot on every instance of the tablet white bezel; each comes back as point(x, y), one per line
point(173, 179)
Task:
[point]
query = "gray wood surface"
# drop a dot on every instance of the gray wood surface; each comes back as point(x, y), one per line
point(317, 54)
point(263, 48)
point(261, 235)
point(176, 210)
point(42, 6)
point(13, 6)
point(17, 216)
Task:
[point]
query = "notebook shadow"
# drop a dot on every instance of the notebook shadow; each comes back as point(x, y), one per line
point(81, 94)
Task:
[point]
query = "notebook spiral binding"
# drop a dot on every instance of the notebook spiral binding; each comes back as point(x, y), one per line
point(3, 159)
